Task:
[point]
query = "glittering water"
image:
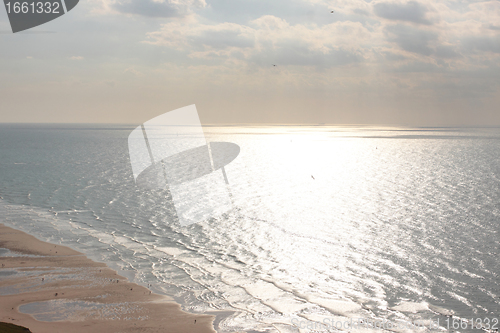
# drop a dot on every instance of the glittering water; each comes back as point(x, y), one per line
point(395, 224)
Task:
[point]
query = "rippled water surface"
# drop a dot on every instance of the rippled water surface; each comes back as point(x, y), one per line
point(327, 222)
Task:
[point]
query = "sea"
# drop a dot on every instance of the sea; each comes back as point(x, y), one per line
point(328, 224)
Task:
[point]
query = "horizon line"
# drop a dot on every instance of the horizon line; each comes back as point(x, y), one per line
point(269, 124)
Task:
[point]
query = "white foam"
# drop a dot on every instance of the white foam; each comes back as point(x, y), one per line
point(338, 307)
point(171, 251)
point(440, 310)
point(411, 307)
point(286, 306)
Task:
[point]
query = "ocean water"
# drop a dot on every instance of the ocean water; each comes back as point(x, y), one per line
point(327, 223)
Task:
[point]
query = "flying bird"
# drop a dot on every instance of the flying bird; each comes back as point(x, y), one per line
point(274, 65)
point(313, 177)
point(332, 11)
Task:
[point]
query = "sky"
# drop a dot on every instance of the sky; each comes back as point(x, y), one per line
point(380, 62)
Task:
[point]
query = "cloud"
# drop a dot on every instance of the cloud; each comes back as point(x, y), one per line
point(389, 35)
point(224, 36)
point(268, 39)
point(360, 11)
point(483, 43)
point(133, 71)
point(446, 51)
point(149, 8)
point(299, 53)
point(412, 39)
point(417, 67)
point(293, 11)
point(76, 58)
point(189, 35)
point(365, 56)
point(412, 11)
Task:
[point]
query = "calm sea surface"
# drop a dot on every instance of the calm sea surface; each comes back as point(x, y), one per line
point(327, 224)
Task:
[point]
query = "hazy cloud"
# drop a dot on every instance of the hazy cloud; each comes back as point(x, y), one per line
point(224, 38)
point(154, 8)
point(483, 43)
point(412, 39)
point(293, 11)
point(368, 55)
point(360, 11)
point(446, 51)
point(268, 40)
point(417, 67)
point(147, 8)
point(412, 11)
point(294, 54)
point(132, 71)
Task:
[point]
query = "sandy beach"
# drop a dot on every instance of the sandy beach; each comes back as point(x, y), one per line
point(51, 288)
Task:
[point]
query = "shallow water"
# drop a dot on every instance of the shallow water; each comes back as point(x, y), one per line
point(394, 224)
point(63, 310)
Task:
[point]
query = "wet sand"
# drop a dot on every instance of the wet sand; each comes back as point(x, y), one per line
point(61, 290)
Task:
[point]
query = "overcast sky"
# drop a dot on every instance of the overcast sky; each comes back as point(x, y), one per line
point(413, 63)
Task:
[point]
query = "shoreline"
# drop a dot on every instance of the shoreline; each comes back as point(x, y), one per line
point(52, 288)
